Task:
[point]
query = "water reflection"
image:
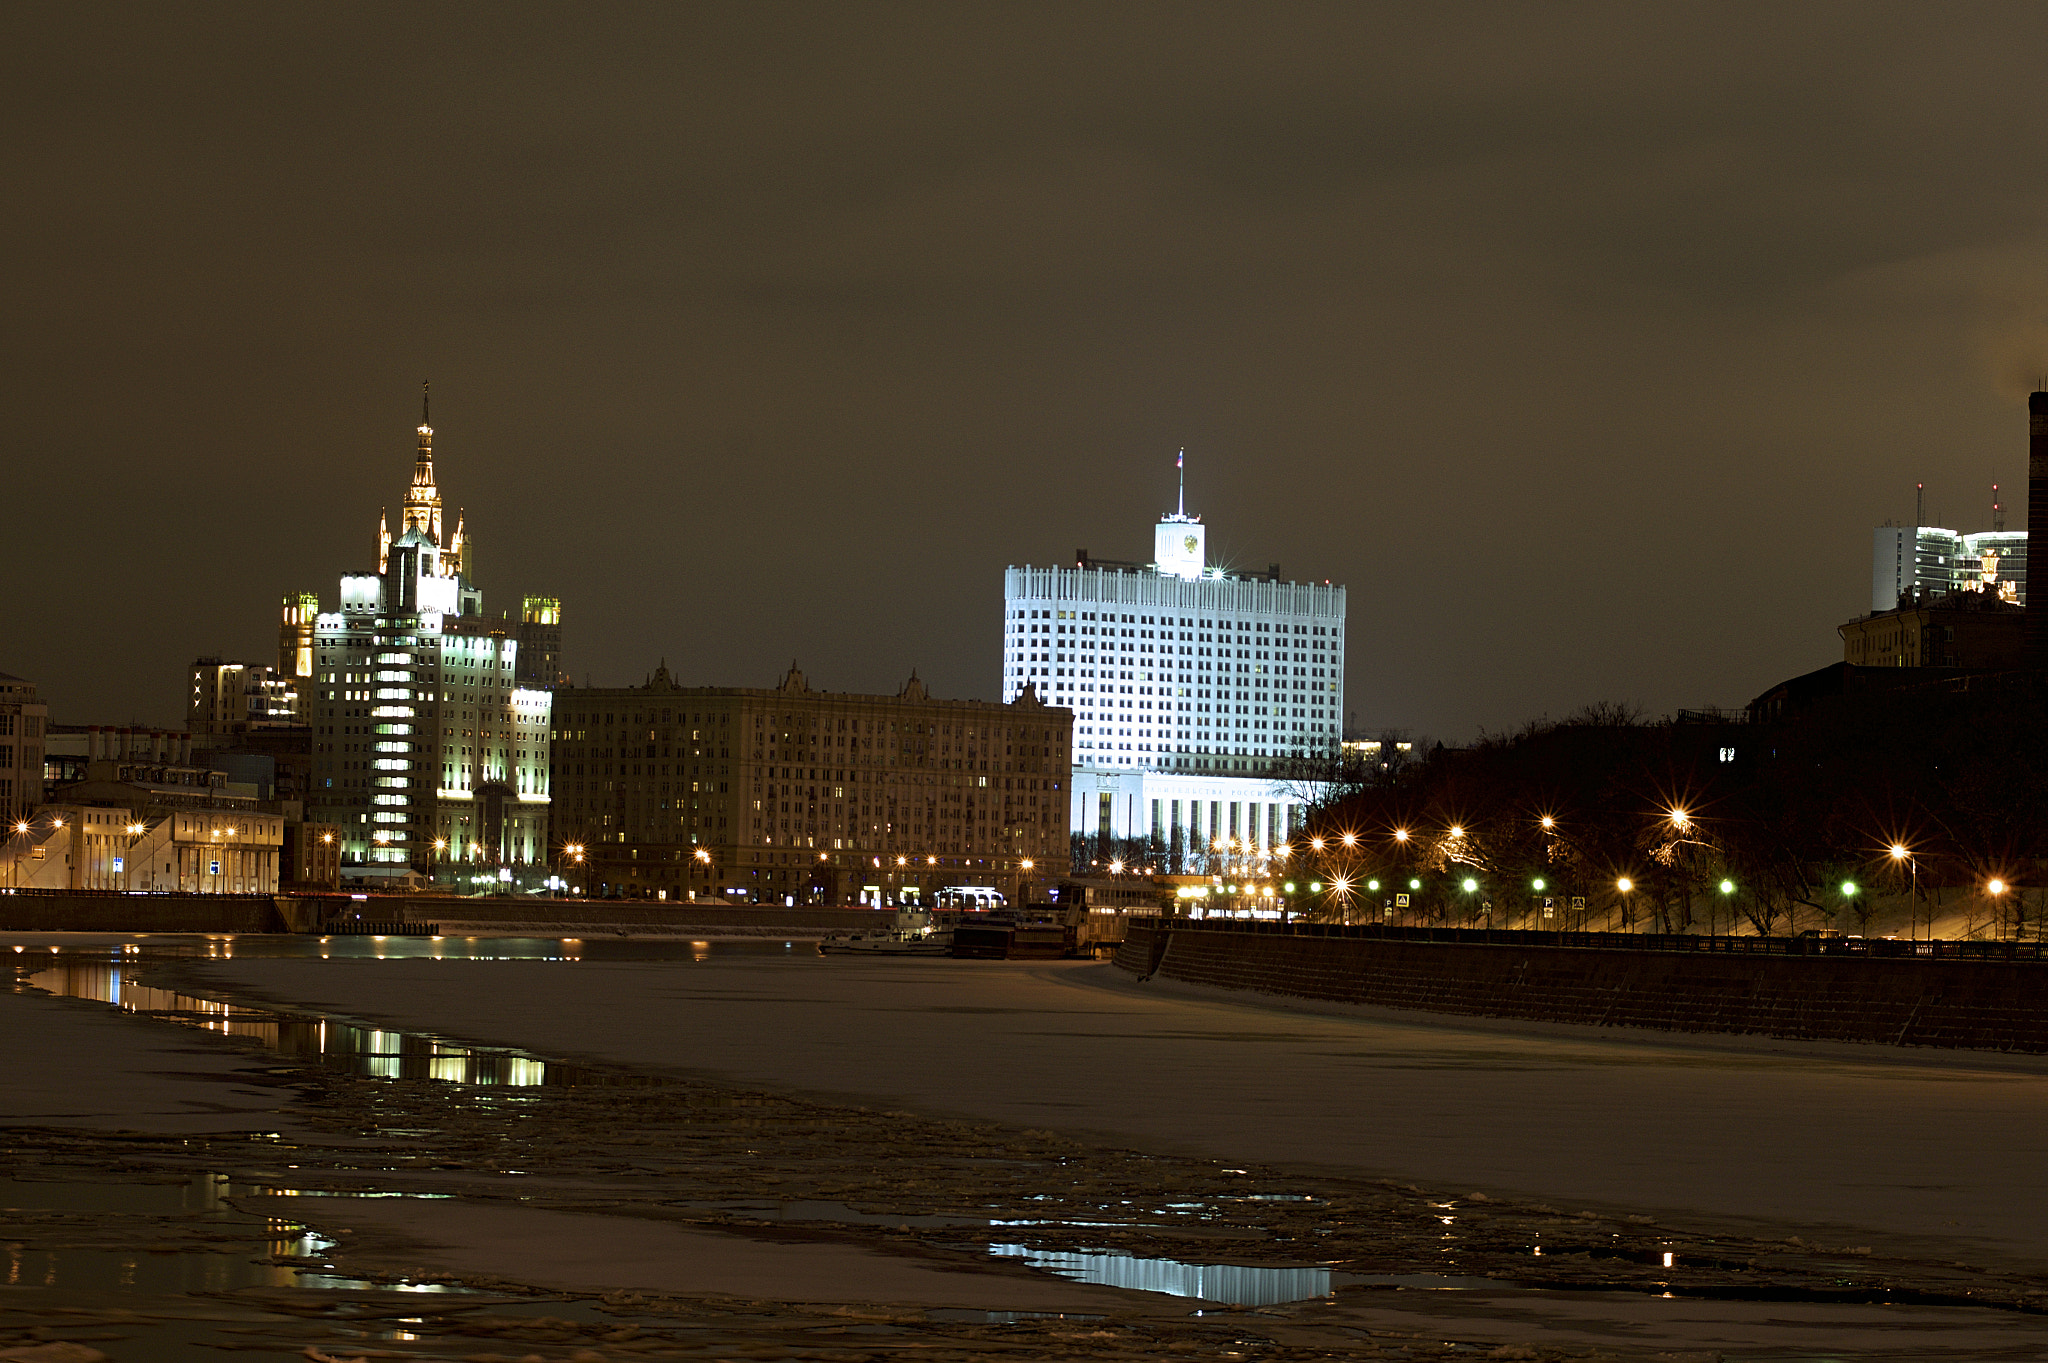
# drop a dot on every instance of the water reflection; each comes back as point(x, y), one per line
point(365, 1050)
point(1232, 1283)
point(28, 1206)
point(286, 946)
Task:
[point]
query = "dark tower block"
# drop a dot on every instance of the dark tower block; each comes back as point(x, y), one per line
point(2037, 523)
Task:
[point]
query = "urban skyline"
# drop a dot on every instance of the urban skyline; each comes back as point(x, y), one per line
point(1530, 387)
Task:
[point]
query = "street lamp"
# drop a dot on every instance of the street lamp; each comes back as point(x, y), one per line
point(1624, 884)
point(1997, 890)
point(1900, 852)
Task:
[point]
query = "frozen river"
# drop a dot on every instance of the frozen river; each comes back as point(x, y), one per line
point(1863, 1146)
point(1923, 1156)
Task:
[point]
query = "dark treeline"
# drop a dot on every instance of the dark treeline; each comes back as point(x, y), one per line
point(1783, 813)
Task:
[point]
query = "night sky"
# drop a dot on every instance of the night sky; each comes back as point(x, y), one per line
point(1585, 344)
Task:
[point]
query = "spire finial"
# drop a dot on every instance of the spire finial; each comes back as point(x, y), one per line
point(423, 404)
point(1180, 462)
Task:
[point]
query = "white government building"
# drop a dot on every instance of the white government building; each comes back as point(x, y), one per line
point(1188, 683)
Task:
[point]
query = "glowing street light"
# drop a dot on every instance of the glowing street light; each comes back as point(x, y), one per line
point(1351, 840)
point(1996, 887)
point(1624, 884)
point(1681, 820)
point(1727, 887)
point(1537, 884)
point(1849, 889)
point(1548, 823)
point(1470, 885)
point(1457, 830)
point(1400, 835)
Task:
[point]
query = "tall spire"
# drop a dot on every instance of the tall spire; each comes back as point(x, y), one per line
point(423, 499)
point(1180, 463)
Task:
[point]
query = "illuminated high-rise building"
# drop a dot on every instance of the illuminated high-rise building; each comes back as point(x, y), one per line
point(1190, 685)
point(1178, 665)
point(430, 741)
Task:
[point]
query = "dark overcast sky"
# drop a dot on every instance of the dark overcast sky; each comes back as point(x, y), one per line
point(1585, 344)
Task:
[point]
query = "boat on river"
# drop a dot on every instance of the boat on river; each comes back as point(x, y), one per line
point(911, 934)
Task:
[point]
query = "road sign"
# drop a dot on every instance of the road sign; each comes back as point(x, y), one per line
point(1400, 901)
point(1578, 901)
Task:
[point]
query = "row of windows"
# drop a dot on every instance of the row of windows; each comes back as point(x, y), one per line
point(1175, 622)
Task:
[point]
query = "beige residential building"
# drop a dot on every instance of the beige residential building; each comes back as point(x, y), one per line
point(1975, 629)
point(23, 718)
point(787, 792)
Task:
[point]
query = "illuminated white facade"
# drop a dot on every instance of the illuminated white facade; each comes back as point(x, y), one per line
point(1184, 815)
point(1175, 665)
point(428, 753)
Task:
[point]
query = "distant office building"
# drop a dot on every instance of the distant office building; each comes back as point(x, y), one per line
point(1925, 562)
point(429, 754)
point(1968, 628)
point(787, 792)
point(23, 717)
point(233, 697)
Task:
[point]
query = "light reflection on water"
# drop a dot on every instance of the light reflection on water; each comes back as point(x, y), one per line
point(1232, 1283)
point(365, 1050)
point(288, 946)
point(30, 1205)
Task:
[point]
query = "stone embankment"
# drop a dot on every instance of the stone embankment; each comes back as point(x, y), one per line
point(85, 911)
point(1913, 1000)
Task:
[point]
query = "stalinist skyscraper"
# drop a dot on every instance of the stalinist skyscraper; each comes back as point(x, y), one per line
point(430, 739)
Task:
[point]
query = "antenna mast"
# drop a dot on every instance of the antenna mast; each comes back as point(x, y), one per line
point(1180, 462)
point(1997, 510)
point(1919, 505)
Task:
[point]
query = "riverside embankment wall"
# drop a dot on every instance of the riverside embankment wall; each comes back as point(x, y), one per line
point(86, 912)
point(1910, 1001)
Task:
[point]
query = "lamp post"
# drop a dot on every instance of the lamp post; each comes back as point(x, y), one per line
point(1727, 898)
point(1624, 884)
point(1900, 852)
point(1996, 889)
